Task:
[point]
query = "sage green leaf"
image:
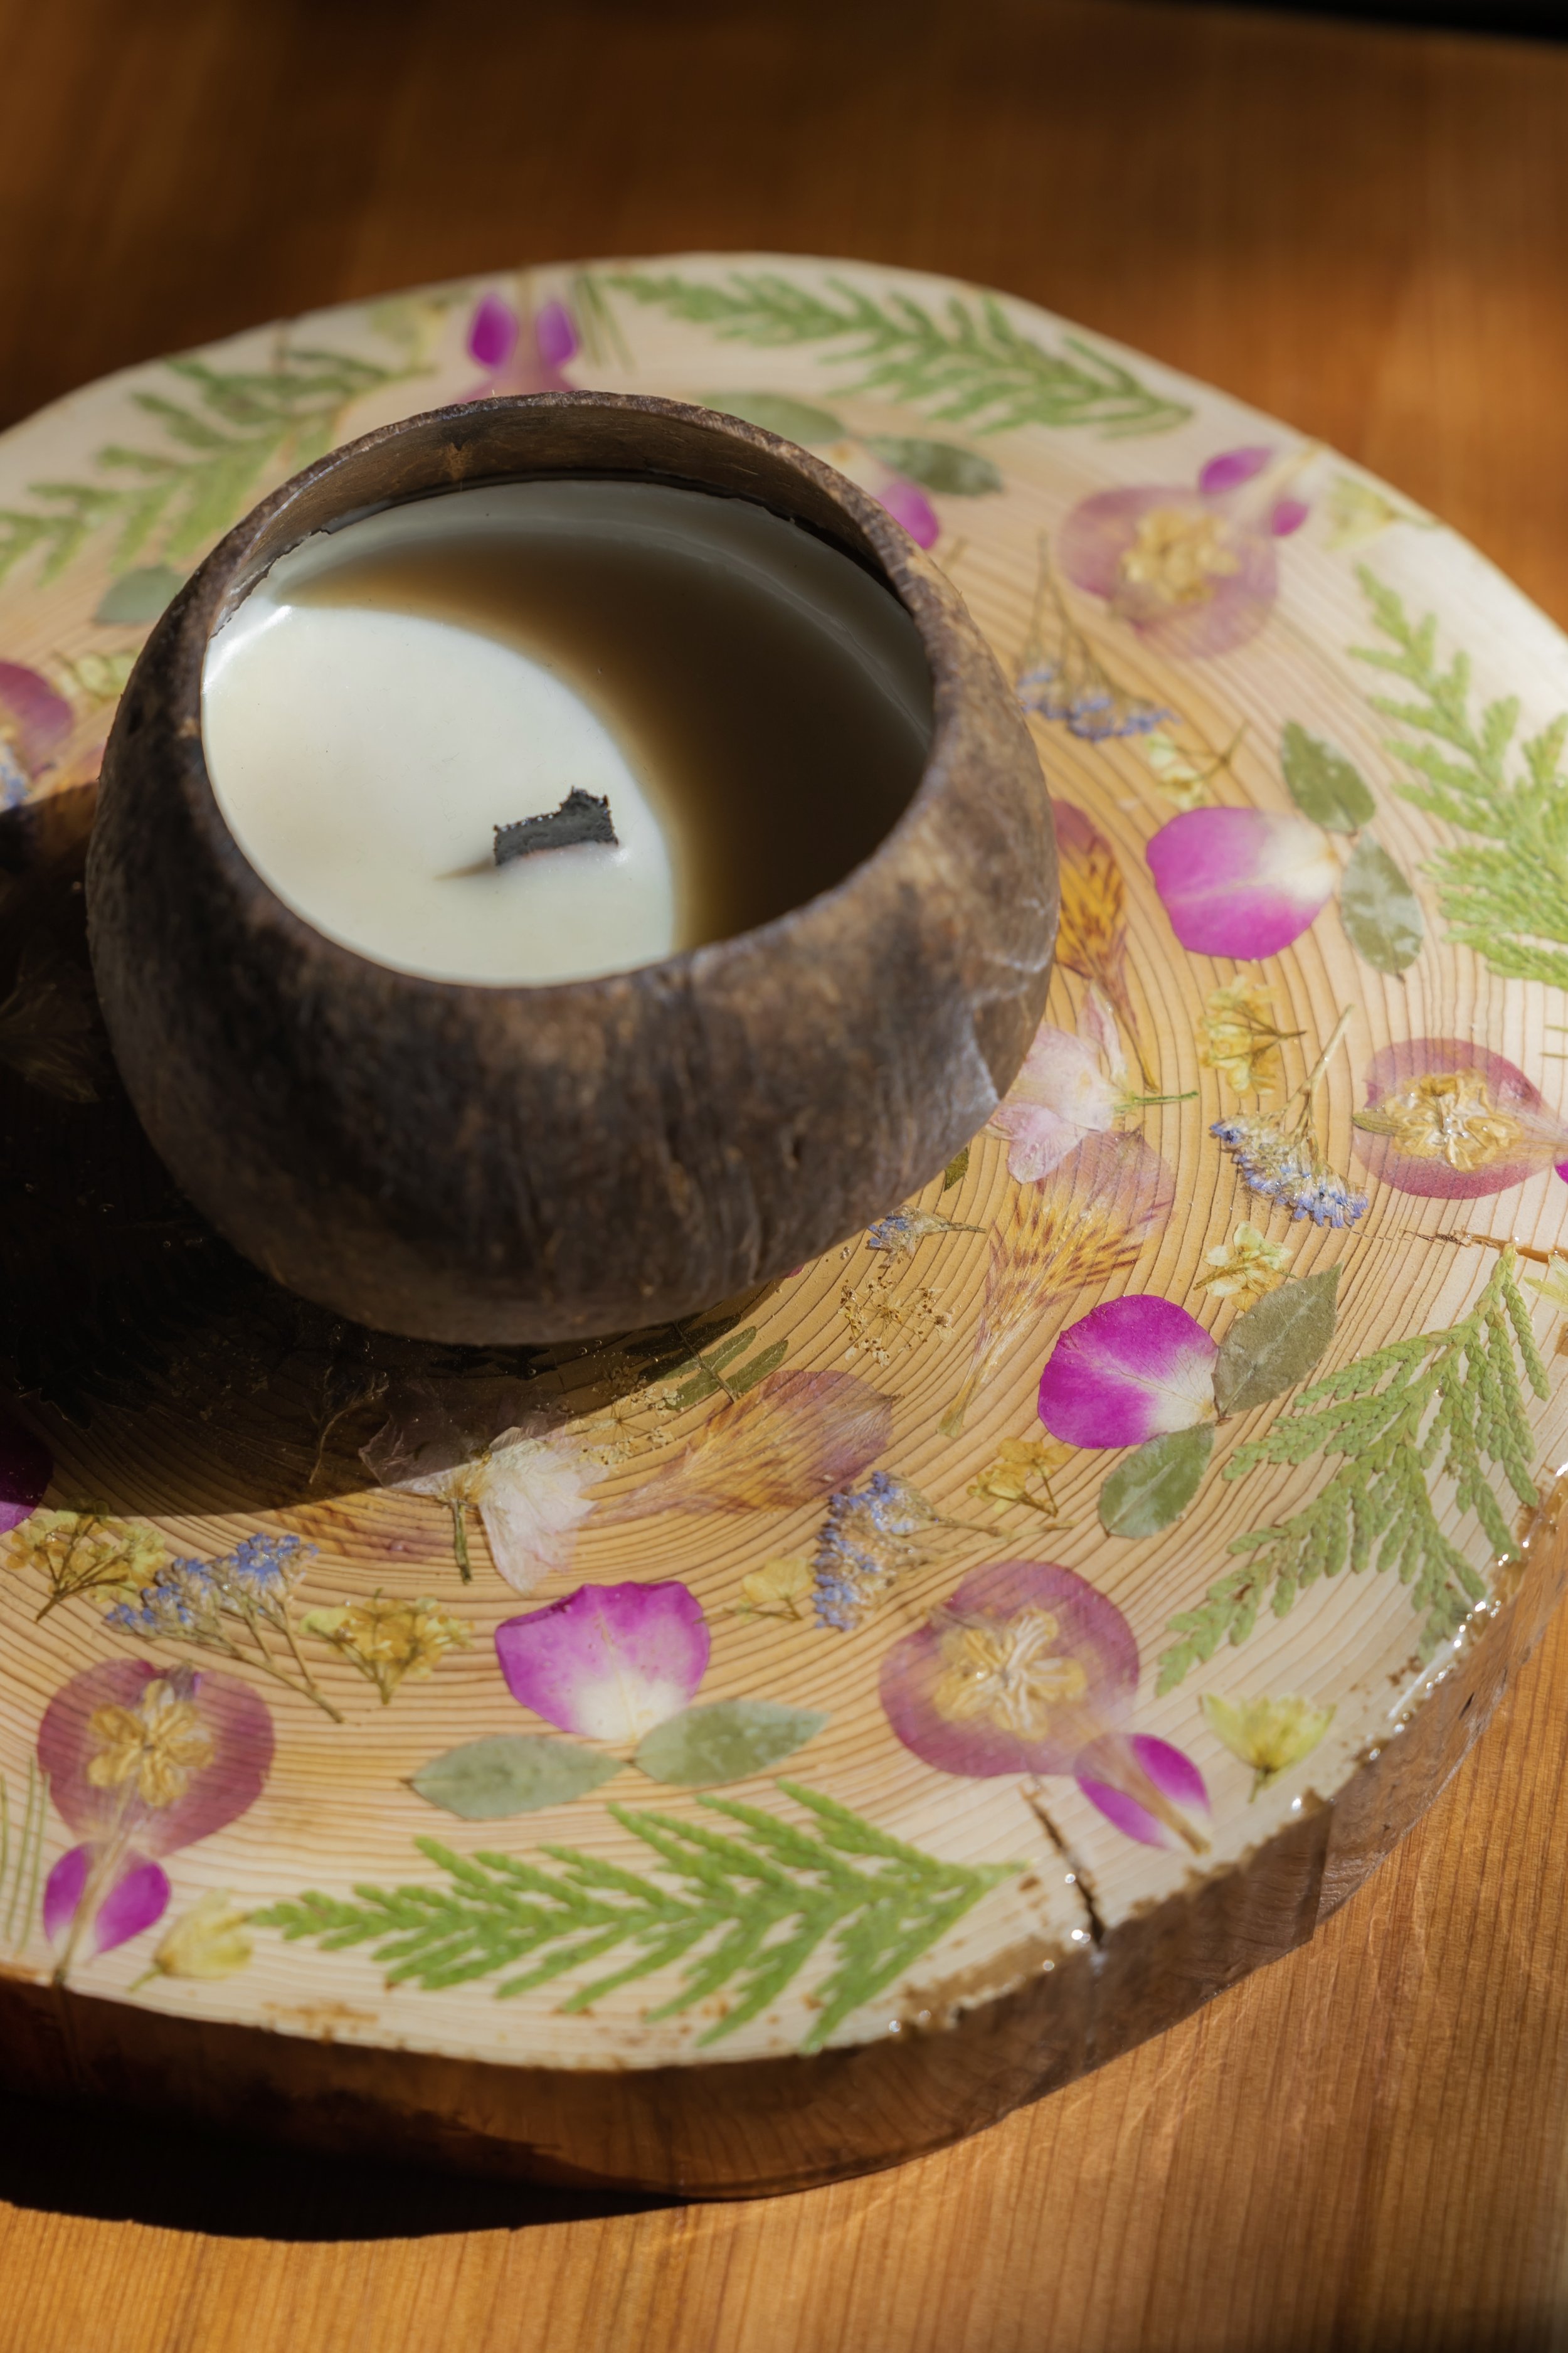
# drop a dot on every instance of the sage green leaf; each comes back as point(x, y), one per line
point(939, 465)
point(1380, 911)
point(725, 1741)
point(1323, 784)
point(511, 1773)
point(1156, 1485)
point(138, 595)
point(792, 420)
point(1276, 1344)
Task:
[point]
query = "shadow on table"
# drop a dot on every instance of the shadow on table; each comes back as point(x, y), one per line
point(119, 2164)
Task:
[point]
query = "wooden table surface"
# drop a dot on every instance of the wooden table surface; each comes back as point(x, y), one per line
point(1366, 231)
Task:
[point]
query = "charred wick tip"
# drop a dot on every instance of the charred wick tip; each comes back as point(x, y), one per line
point(582, 817)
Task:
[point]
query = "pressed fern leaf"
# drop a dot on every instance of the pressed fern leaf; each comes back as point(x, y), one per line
point(1449, 1400)
point(1505, 893)
point(226, 431)
point(968, 363)
point(747, 1910)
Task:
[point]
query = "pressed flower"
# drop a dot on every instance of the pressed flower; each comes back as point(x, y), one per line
point(1240, 882)
point(1061, 678)
point(1247, 1268)
point(85, 1552)
point(1022, 1466)
point(1357, 511)
point(1145, 1788)
point(1270, 1735)
point(903, 1232)
point(238, 1606)
point(140, 1762)
point(780, 1589)
point(1018, 1673)
point(35, 723)
point(610, 1661)
point(1060, 1095)
point(26, 1466)
point(792, 1440)
point(390, 1641)
point(871, 1536)
point(1448, 1121)
point(519, 352)
point(209, 1941)
point(1130, 1369)
point(1193, 570)
point(527, 1494)
point(1085, 1222)
point(1238, 1037)
point(1091, 935)
point(1278, 1156)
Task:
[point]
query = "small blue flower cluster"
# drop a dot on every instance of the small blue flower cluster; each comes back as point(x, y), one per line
point(1288, 1170)
point(1090, 705)
point(187, 1598)
point(865, 1542)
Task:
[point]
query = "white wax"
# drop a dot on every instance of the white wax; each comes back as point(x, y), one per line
point(363, 756)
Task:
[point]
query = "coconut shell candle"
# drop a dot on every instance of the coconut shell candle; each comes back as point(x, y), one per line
point(589, 1112)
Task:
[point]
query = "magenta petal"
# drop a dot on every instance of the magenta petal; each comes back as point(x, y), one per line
point(610, 1661)
point(1001, 1601)
point(1288, 515)
point(25, 1468)
point(36, 719)
point(555, 337)
point(1238, 881)
point(138, 1897)
point(1130, 1369)
point(907, 505)
point(63, 1890)
point(1230, 470)
point(492, 332)
point(1559, 1168)
point(1144, 1787)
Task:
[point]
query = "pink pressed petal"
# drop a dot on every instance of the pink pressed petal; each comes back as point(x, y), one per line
point(1230, 470)
point(608, 1662)
point(1099, 532)
point(1230, 615)
point(493, 333)
point(907, 505)
point(1144, 1786)
point(35, 718)
point(555, 337)
point(26, 1467)
point(63, 1891)
point(1397, 1066)
point(139, 1896)
point(1240, 881)
point(1132, 1369)
point(1089, 1630)
point(1288, 515)
point(1039, 1140)
point(237, 1722)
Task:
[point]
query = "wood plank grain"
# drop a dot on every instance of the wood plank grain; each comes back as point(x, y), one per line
point(1363, 230)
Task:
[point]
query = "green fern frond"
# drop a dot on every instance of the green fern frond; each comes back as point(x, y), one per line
point(747, 1911)
point(1451, 1402)
point(227, 431)
point(1504, 894)
point(968, 366)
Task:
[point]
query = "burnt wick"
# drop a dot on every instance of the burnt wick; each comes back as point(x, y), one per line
point(582, 817)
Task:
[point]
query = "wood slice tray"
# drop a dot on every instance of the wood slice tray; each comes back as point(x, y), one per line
point(736, 1755)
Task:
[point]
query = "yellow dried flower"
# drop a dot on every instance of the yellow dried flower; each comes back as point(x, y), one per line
point(82, 1552)
point(389, 1641)
point(1238, 1037)
point(209, 1941)
point(1008, 1672)
point(1020, 1463)
point(780, 1589)
point(1447, 1115)
point(1270, 1735)
point(1247, 1268)
point(1357, 513)
point(157, 1745)
point(1180, 778)
point(1176, 556)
